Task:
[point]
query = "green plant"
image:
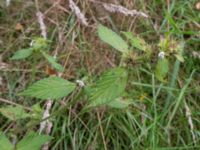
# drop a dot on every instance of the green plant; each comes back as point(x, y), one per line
point(38, 48)
point(14, 113)
point(139, 90)
point(109, 89)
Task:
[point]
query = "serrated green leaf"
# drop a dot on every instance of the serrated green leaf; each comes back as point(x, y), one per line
point(21, 54)
point(136, 42)
point(14, 113)
point(162, 69)
point(5, 143)
point(32, 141)
point(110, 86)
point(50, 88)
point(53, 62)
point(119, 103)
point(112, 39)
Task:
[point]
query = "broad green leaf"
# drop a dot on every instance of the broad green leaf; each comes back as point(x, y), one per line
point(110, 86)
point(119, 103)
point(14, 113)
point(136, 42)
point(162, 69)
point(112, 39)
point(53, 62)
point(5, 143)
point(50, 88)
point(21, 54)
point(32, 141)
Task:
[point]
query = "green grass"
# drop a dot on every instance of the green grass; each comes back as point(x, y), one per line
point(156, 118)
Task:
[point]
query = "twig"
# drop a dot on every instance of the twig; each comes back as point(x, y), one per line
point(190, 122)
point(78, 13)
point(120, 9)
point(40, 18)
point(47, 123)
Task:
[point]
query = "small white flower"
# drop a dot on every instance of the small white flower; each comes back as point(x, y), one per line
point(161, 55)
point(80, 83)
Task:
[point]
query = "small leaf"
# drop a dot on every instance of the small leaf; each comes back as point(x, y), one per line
point(162, 69)
point(136, 42)
point(5, 143)
point(110, 86)
point(50, 88)
point(40, 44)
point(53, 62)
point(179, 57)
point(112, 39)
point(119, 103)
point(14, 113)
point(32, 141)
point(21, 54)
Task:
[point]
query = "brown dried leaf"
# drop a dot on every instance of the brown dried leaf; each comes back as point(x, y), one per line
point(19, 27)
point(198, 5)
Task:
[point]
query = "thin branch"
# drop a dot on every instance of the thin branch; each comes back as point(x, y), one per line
point(78, 13)
point(120, 9)
point(190, 122)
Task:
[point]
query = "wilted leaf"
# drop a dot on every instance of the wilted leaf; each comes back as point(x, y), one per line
point(19, 27)
point(198, 5)
point(14, 113)
point(136, 42)
point(179, 57)
point(40, 44)
point(162, 69)
point(32, 141)
point(3, 65)
point(5, 143)
point(110, 86)
point(112, 39)
point(119, 103)
point(53, 62)
point(50, 88)
point(50, 71)
point(21, 54)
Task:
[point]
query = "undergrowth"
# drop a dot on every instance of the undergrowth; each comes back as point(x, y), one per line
point(122, 82)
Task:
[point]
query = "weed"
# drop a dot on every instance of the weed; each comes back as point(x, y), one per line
point(124, 81)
